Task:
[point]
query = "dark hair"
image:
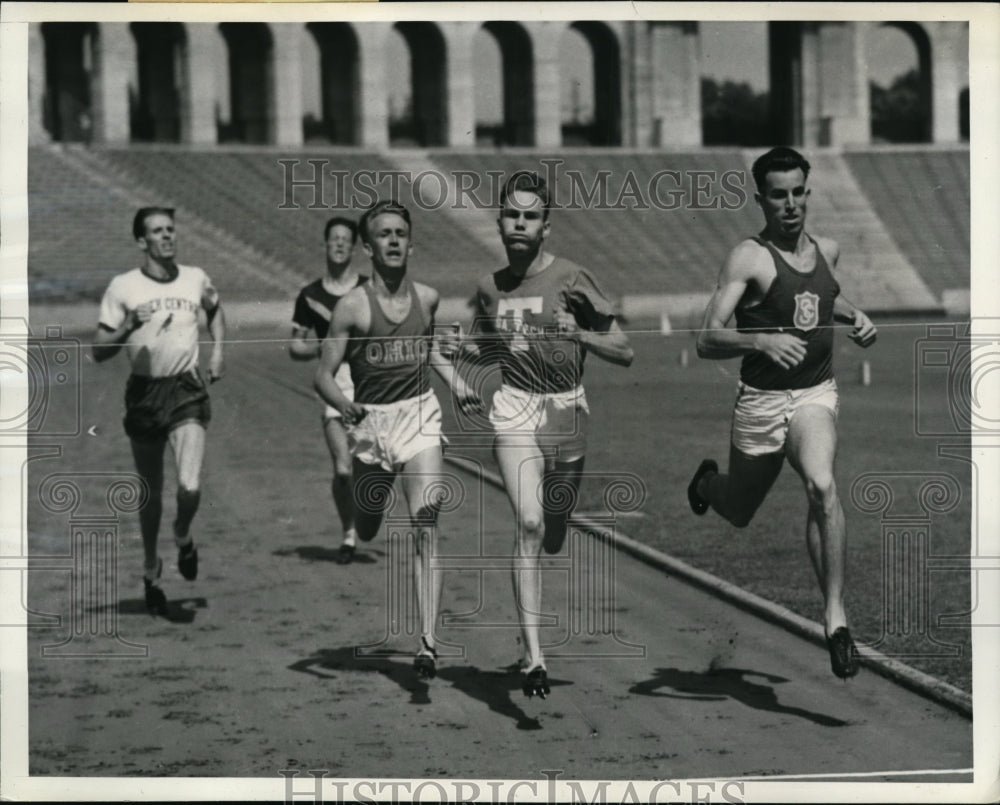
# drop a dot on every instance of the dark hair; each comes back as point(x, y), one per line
point(529, 182)
point(778, 160)
point(379, 207)
point(139, 222)
point(339, 220)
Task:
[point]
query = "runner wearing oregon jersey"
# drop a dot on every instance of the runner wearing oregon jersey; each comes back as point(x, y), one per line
point(383, 329)
point(780, 287)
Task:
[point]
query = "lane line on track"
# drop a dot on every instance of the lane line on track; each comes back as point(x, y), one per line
point(904, 675)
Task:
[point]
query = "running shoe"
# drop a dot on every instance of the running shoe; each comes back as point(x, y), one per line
point(698, 504)
point(425, 663)
point(843, 653)
point(345, 555)
point(187, 561)
point(536, 682)
point(156, 601)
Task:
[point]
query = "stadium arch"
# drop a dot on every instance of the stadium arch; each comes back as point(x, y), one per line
point(427, 120)
point(338, 79)
point(69, 54)
point(517, 83)
point(250, 49)
point(155, 103)
point(605, 128)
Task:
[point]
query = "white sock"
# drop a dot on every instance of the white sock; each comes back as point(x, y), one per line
point(350, 536)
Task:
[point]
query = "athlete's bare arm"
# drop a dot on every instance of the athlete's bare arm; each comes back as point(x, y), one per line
point(107, 342)
point(864, 332)
point(610, 344)
point(746, 274)
point(468, 399)
point(217, 330)
point(302, 347)
point(351, 319)
point(476, 346)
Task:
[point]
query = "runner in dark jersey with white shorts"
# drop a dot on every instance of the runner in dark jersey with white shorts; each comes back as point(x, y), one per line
point(383, 328)
point(313, 309)
point(782, 291)
point(539, 317)
point(153, 312)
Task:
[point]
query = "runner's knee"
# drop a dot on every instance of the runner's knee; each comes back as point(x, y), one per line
point(189, 484)
point(426, 515)
point(741, 519)
point(530, 526)
point(741, 513)
point(821, 489)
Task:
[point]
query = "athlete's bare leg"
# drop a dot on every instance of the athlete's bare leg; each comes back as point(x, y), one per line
point(522, 467)
point(812, 448)
point(188, 444)
point(421, 479)
point(372, 494)
point(148, 458)
point(737, 495)
point(560, 490)
point(340, 487)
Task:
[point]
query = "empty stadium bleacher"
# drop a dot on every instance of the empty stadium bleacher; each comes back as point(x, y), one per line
point(674, 223)
point(922, 197)
point(243, 192)
point(80, 233)
point(643, 246)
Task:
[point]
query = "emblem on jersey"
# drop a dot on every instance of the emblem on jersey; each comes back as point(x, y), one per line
point(806, 311)
point(511, 313)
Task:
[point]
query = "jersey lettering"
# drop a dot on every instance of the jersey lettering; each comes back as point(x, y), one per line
point(396, 351)
point(510, 318)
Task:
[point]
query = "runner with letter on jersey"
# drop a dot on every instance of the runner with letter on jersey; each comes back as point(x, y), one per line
point(781, 289)
point(539, 317)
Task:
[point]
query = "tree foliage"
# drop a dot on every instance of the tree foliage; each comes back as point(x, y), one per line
point(732, 113)
point(900, 114)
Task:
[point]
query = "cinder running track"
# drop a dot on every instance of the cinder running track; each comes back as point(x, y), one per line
point(257, 670)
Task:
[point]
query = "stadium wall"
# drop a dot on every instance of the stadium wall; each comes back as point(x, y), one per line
point(115, 83)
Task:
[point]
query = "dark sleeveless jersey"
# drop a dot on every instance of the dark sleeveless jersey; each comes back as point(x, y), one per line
point(800, 304)
point(390, 363)
point(314, 307)
point(514, 313)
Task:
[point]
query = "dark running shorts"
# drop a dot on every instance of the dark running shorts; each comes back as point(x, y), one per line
point(154, 406)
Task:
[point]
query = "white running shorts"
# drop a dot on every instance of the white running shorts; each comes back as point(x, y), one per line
point(760, 418)
point(556, 420)
point(390, 435)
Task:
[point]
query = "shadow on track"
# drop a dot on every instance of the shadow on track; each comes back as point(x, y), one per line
point(727, 683)
point(496, 689)
point(179, 610)
point(319, 553)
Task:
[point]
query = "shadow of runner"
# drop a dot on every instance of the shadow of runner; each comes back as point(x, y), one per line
point(727, 683)
point(325, 662)
point(179, 610)
point(318, 553)
point(494, 688)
